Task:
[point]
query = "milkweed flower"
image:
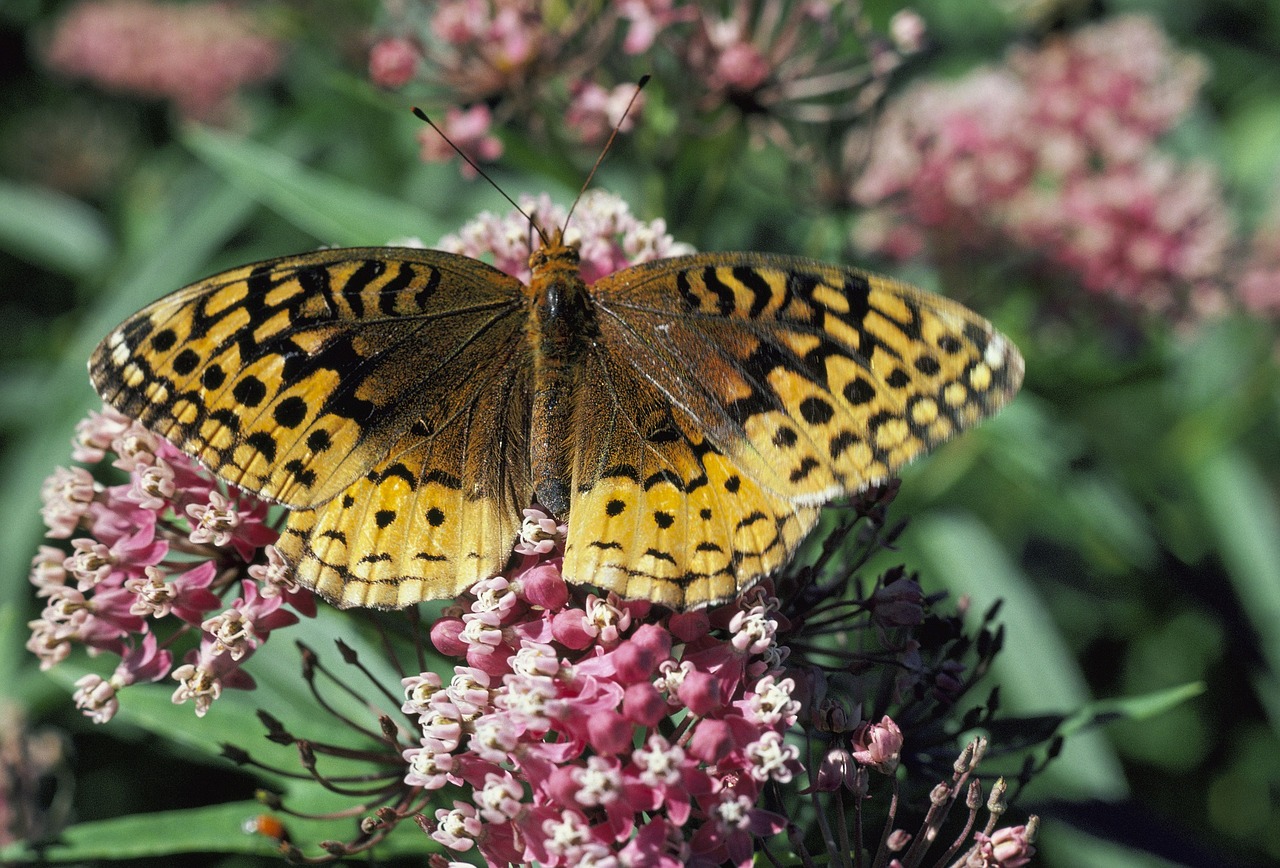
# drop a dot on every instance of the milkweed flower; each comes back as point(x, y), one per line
point(603, 731)
point(1257, 287)
point(151, 560)
point(596, 111)
point(781, 68)
point(562, 715)
point(609, 236)
point(782, 64)
point(502, 55)
point(393, 62)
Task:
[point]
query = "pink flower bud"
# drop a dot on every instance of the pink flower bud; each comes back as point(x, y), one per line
point(712, 741)
point(637, 658)
point(610, 732)
point(700, 692)
point(689, 626)
point(878, 745)
point(570, 629)
point(446, 635)
point(543, 586)
point(643, 704)
point(836, 770)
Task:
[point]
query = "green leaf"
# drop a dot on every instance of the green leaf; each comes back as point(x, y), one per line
point(1104, 711)
point(1062, 846)
point(334, 211)
point(51, 229)
point(1243, 515)
point(212, 213)
point(210, 829)
point(213, 828)
point(1036, 672)
point(1253, 144)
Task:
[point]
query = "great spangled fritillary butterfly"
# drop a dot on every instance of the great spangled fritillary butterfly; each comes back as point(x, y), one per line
point(690, 414)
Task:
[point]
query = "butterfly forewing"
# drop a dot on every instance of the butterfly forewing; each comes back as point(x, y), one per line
point(768, 386)
point(816, 380)
point(361, 383)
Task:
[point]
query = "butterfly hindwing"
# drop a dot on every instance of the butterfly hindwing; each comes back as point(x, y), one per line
point(768, 386)
point(435, 516)
point(658, 512)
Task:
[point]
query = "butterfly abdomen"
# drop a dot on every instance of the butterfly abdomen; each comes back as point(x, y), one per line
point(561, 330)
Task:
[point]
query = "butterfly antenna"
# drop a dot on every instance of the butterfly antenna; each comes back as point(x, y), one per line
point(644, 79)
point(422, 116)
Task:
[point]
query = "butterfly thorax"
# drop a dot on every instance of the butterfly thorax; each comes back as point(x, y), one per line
point(562, 327)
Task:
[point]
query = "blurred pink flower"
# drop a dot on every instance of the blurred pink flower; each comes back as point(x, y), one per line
point(1258, 287)
point(468, 129)
point(1055, 152)
point(647, 18)
point(1110, 89)
point(482, 52)
point(783, 61)
point(1154, 234)
point(196, 55)
point(765, 63)
point(37, 775)
point(392, 62)
point(907, 30)
point(946, 157)
point(594, 111)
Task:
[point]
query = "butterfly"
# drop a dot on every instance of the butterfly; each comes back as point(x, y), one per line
point(687, 416)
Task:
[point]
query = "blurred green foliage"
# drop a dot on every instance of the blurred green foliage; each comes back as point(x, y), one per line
point(1125, 508)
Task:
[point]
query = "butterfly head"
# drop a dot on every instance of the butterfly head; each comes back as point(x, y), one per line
point(555, 254)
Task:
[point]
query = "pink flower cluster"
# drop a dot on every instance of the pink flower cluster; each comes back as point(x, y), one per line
point(588, 729)
point(1055, 152)
point(151, 560)
point(196, 55)
point(802, 61)
point(467, 130)
point(479, 49)
point(1258, 287)
point(609, 236)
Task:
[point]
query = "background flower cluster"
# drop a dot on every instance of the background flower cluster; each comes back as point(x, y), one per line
point(1098, 179)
